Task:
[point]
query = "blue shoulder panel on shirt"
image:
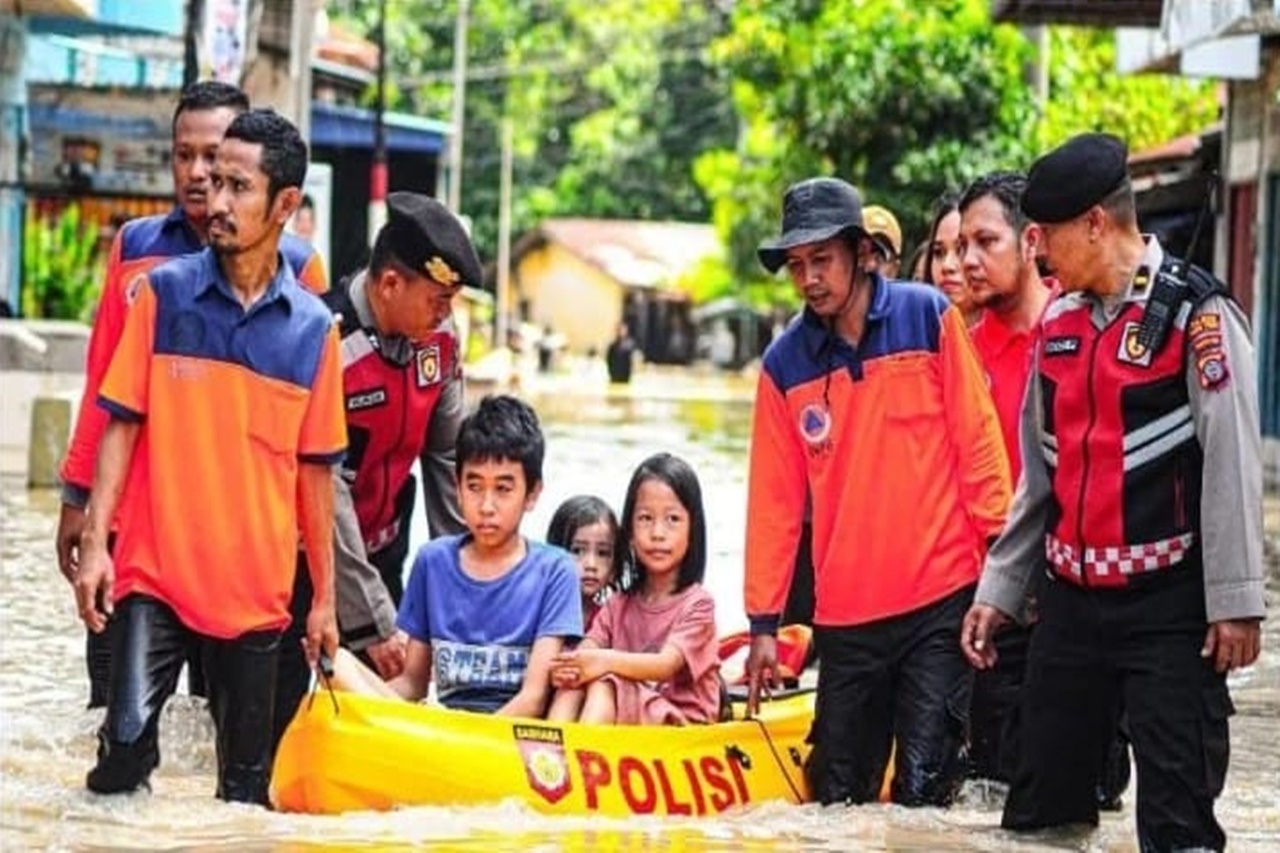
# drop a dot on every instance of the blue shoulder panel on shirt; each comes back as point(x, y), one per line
point(904, 317)
point(282, 336)
point(296, 251)
point(156, 236)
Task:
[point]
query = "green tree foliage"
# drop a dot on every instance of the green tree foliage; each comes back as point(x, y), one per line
point(705, 109)
point(902, 99)
point(1145, 110)
point(612, 100)
point(60, 265)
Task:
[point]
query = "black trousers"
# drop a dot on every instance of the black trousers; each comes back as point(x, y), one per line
point(902, 680)
point(97, 659)
point(1095, 651)
point(294, 678)
point(150, 647)
point(994, 712)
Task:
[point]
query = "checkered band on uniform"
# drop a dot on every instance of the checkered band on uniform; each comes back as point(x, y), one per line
point(1113, 566)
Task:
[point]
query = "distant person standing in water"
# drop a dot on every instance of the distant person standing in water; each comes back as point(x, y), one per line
point(619, 356)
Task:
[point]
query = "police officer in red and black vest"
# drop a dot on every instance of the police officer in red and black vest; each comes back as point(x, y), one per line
point(402, 381)
point(1142, 485)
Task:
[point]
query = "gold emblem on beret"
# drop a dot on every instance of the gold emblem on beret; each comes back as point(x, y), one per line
point(440, 270)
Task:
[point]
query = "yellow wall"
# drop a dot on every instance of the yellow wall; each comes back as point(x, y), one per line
point(576, 299)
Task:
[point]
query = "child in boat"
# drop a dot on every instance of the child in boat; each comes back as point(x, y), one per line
point(488, 611)
point(650, 655)
point(586, 527)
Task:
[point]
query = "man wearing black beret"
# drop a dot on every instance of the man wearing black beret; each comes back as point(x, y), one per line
point(403, 388)
point(1142, 484)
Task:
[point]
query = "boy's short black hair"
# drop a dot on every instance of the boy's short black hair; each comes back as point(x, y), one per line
point(210, 95)
point(284, 153)
point(502, 427)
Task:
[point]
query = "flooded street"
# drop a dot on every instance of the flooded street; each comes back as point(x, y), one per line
point(594, 441)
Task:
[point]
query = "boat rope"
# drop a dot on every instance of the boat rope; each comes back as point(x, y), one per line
point(768, 738)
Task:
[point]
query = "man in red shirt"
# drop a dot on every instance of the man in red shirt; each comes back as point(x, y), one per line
point(998, 247)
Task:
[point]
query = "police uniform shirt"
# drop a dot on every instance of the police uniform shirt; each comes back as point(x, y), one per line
point(1224, 408)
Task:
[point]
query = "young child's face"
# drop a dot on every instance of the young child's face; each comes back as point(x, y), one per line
point(494, 498)
point(659, 528)
point(592, 546)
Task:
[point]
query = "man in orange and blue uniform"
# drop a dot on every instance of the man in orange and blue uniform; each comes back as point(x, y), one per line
point(202, 115)
point(227, 383)
point(873, 403)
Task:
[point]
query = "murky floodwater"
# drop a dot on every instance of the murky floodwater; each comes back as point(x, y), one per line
point(46, 737)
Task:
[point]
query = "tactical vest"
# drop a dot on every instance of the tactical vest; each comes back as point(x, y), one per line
point(390, 389)
point(1119, 441)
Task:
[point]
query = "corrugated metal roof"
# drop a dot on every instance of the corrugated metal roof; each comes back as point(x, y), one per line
point(1092, 13)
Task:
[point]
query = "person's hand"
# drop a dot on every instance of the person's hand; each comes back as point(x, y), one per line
point(762, 670)
point(94, 583)
point(388, 655)
point(322, 632)
point(577, 667)
point(71, 521)
point(1233, 643)
point(565, 674)
point(977, 632)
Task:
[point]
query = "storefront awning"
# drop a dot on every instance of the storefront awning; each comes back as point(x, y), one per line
point(334, 126)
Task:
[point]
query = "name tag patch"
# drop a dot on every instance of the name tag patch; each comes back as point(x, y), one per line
point(366, 399)
point(1062, 346)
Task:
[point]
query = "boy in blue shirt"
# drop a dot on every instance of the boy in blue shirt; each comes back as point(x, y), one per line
point(486, 611)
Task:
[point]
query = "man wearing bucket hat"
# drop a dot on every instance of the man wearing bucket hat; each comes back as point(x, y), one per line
point(403, 390)
point(1144, 398)
point(871, 402)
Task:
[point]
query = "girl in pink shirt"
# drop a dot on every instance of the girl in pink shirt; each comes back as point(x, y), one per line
point(650, 655)
point(586, 527)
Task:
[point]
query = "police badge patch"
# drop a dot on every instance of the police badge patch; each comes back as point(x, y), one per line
point(1132, 351)
point(429, 367)
point(1204, 333)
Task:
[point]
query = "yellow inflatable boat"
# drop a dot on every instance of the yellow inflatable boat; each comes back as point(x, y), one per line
point(351, 752)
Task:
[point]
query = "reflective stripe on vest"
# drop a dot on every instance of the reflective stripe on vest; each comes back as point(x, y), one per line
point(1114, 566)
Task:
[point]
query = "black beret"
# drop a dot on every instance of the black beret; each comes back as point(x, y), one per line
point(424, 236)
point(1074, 177)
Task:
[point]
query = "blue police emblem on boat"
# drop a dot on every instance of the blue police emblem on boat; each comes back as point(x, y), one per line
point(815, 423)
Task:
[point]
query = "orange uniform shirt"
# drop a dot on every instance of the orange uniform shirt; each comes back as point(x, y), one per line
point(231, 403)
point(898, 444)
point(140, 245)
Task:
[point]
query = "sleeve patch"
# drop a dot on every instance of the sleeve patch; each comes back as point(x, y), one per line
point(1204, 333)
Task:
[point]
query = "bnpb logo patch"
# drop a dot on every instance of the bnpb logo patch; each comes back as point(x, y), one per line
point(815, 423)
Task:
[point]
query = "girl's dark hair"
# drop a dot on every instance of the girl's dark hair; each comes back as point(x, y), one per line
point(945, 204)
point(681, 479)
point(583, 511)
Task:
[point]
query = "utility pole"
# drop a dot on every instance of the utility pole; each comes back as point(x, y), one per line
point(192, 28)
point(378, 170)
point(459, 106)
point(504, 240)
point(301, 40)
